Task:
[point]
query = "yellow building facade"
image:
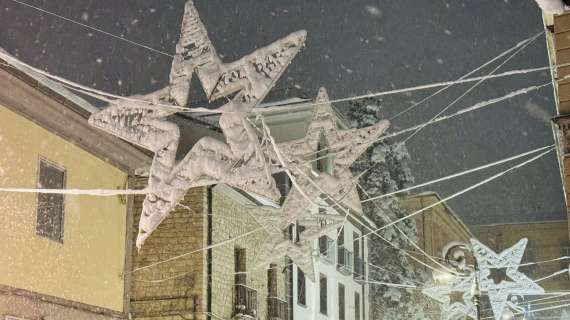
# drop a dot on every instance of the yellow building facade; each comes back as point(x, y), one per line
point(71, 266)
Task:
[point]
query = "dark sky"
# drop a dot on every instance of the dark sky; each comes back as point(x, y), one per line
point(353, 47)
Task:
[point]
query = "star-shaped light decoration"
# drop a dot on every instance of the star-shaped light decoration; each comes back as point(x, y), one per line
point(239, 161)
point(516, 283)
point(337, 149)
point(330, 186)
point(455, 298)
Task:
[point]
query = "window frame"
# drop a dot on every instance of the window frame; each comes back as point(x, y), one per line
point(55, 165)
point(341, 302)
point(301, 293)
point(325, 300)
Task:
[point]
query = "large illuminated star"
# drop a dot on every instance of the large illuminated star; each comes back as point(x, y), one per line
point(336, 148)
point(329, 187)
point(516, 284)
point(455, 298)
point(238, 161)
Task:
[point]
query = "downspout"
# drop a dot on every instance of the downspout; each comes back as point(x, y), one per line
point(209, 255)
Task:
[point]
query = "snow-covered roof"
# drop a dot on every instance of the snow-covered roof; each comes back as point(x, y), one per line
point(16, 64)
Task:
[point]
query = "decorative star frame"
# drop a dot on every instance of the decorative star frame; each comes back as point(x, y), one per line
point(455, 298)
point(328, 189)
point(238, 162)
point(516, 284)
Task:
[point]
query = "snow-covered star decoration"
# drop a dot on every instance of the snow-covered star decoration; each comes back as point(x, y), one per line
point(320, 165)
point(515, 283)
point(239, 161)
point(455, 298)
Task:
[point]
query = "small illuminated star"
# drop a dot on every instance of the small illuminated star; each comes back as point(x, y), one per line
point(514, 282)
point(455, 297)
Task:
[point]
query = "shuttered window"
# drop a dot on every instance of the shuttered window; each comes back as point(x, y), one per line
point(50, 210)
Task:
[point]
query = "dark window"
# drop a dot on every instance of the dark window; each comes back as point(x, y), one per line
point(298, 232)
point(240, 266)
point(272, 280)
point(322, 163)
point(323, 294)
point(301, 297)
point(283, 184)
point(356, 306)
point(324, 245)
point(341, 303)
point(356, 262)
point(340, 240)
point(49, 222)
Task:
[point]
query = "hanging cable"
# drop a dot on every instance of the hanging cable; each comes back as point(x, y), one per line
point(485, 181)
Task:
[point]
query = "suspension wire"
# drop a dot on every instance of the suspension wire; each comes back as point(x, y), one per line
point(485, 181)
point(474, 86)
point(95, 29)
point(520, 43)
point(458, 174)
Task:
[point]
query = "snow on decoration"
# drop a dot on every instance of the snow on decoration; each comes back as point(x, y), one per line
point(455, 297)
point(238, 162)
point(516, 283)
point(320, 165)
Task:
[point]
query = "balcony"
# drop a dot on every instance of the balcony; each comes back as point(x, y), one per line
point(277, 309)
point(245, 301)
point(345, 260)
point(359, 269)
point(326, 250)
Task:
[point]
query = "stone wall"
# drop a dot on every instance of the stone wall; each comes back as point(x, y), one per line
point(175, 289)
point(232, 216)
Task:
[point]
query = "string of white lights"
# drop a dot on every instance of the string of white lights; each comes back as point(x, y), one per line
point(519, 44)
point(476, 185)
point(94, 28)
point(454, 102)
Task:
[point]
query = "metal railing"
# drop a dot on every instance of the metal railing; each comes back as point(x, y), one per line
point(245, 300)
point(345, 260)
point(277, 309)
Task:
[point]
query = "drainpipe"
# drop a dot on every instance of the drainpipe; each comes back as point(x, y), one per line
point(209, 254)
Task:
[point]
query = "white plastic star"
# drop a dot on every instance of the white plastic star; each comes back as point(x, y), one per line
point(516, 282)
point(455, 298)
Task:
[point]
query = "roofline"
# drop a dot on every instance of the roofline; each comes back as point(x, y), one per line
point(54, 117)
point(447, 207)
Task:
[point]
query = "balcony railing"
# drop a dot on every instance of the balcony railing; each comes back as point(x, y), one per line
point(246, 301)
point(326, 249)
point(277, 309)
point(344, 263)
point(359, 268)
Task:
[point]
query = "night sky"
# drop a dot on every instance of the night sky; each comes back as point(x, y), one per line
point(353, 47)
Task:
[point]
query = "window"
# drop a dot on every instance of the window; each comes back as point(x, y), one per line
point(272, 280)
point(323, 294)
point(323, 158)
point(49, 221)
point(240, 266)
point(356, 306)
point(341, 303)
point(283, 183)
point(298, 232)
point(324, 245)
point(340, 240)
point(301, 297)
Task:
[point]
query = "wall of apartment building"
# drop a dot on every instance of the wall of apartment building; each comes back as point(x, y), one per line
point(330, 269)
point(177, 288)
point(233, 215)
point(437, 226)
point(547, 240)
point(79, 274)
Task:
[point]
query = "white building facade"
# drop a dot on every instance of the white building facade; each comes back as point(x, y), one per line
point(340, 290)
